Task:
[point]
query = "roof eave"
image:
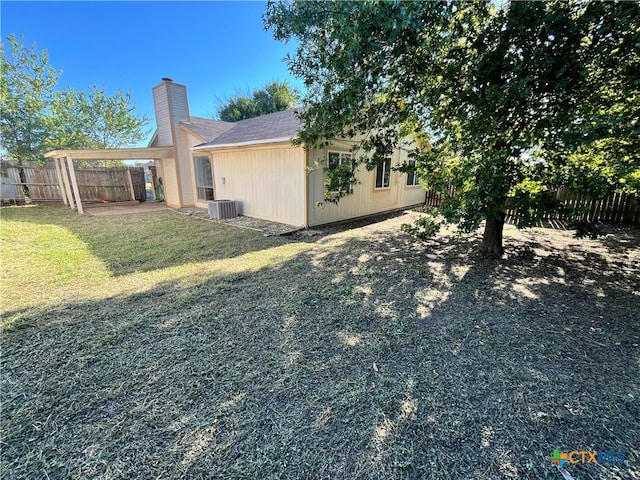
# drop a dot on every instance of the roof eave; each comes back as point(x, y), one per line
point(133, 153)
point(243, 144)
point(153, 139)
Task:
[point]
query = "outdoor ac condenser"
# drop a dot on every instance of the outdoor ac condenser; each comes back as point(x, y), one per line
point(220, 209)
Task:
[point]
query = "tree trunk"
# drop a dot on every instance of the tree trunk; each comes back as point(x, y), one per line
point(23, 180)
point(491, 245)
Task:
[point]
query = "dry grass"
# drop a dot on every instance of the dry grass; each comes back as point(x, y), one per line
point(53, 255)
point(353, 357)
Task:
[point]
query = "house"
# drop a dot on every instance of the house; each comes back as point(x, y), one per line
point(254, 163)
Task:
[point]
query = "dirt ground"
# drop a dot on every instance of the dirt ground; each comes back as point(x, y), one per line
point(101, 210)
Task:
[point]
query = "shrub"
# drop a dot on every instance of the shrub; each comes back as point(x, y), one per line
point(423, 228)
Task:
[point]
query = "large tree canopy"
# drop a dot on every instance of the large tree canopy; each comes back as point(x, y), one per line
point(93, 120)
point(514, 100)
point(273, 97)
point(27, 84)
point(36, 118)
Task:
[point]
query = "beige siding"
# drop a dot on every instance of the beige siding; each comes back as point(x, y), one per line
point(170, 180)
point(159, 168)
point(163, 116)
point(185, 164)
point(179, 103)
point(366, 199)
point(267, 181)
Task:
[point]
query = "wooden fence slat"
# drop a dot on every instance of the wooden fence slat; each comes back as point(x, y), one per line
point(613, 208)
point(628, 212)
point(606, 208)
point(609, 210)
point(621, 206)
point(579, 206)
point(593, 210)
point(616, 204)
point(94, 184)
point(584, 206)
point(600, 209)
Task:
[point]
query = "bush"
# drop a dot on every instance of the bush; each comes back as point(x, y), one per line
point(584, 229)
point(423, 228)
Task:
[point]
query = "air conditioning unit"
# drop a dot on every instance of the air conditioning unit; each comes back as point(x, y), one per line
point(221, 209)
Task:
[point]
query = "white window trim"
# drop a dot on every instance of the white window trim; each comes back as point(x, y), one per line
point(415, 174)
point(341, 153)
point(375, 178)
point(195, 171)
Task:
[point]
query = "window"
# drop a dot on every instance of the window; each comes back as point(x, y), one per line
point(335, 159)
point(204, 178)
point(383, 173)
point(338, 174)
point(412, 174)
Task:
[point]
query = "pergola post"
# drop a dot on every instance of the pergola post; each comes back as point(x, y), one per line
point(74, 184)
point(131, 189)
point(66, 182)
point(63, 193)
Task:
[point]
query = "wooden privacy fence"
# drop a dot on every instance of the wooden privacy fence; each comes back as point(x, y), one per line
point(119, 184)
point(616, 207)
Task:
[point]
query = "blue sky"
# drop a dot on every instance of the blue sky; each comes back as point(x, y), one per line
point(215, 48)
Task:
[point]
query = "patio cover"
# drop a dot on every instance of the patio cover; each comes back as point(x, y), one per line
point(67, 182)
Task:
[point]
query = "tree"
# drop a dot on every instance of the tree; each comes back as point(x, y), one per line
point(514, 99)
point(93, 120)
point(36, 118)
point(273, 97)
point(27, 83)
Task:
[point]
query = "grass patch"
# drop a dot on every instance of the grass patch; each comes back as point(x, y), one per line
point(353, 357)
point(53, 255)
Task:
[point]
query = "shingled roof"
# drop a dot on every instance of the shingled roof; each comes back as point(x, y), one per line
point(278, 126)
point(206, 128)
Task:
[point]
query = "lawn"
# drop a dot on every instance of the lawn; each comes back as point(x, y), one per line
point(163, 346)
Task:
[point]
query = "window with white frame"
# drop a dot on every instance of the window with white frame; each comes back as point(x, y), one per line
point(412, 174)
point(204, 177)
point(383, 173)
point(336, 180)
point(335, 159)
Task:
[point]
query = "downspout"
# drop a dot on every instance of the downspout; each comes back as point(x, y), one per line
point(398, 180)
point(213, 173)
point(305, 157)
